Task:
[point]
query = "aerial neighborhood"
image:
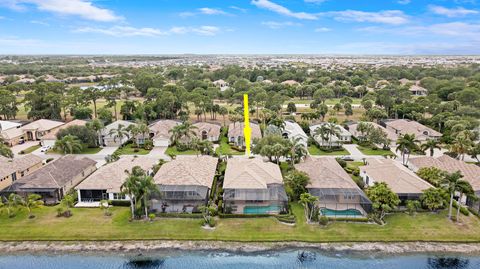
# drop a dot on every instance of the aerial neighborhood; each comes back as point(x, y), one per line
point(160, 146)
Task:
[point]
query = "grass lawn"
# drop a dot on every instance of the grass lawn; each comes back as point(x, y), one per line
point(370, 151)
point(91, 224)
point(84, 151)
point(225, 148)
point(30, 149)
point(172, 150)
point(314, 150)
point(129, 149)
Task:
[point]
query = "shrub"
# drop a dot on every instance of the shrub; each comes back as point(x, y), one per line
point(151, 216)
point(464, 211)
point(49, 160)
point(341, 162)
point(323, 220)
point(120, 203)
point(182, 147)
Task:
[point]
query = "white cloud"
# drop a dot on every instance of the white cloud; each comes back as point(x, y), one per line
point(451, 12)
point(238, 8)
point(404, 2)
point(266, 4)
point(315, 1)
point(393, 17)
point(278, 25)
point(212, 11)
point(322, 29)
point(82, 8)
point(40, 23)
point(127, 31)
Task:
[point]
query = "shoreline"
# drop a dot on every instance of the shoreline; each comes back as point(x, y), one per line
point(132, 247)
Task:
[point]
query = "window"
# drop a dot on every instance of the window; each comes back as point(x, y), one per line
point(119, 196)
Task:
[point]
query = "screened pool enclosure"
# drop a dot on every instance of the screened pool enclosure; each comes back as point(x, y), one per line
point(272, 200)
point(341, 202)
point(180, 198)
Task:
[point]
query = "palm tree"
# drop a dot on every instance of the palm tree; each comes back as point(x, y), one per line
point(297, 150)
point(97, 126)
point(308, 202)
point(129, 187)
point(332, 130)
point(68, 144)
point(464, 189)
point(33, 201)
point(461, 145)
point(119, 133)
point(322, 132)
point(11, 203)
point(182, 131)
point(142, 129)
point(223, 111)
point(146, 187)
point(453, 182)
point(5, 151)
point(406, 144)
point(431, 145)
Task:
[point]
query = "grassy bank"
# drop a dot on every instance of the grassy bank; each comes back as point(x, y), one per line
point(91, 224)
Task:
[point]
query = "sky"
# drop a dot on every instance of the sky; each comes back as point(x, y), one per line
point(413, 27)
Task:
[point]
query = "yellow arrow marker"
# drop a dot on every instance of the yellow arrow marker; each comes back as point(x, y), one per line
point(247, 131)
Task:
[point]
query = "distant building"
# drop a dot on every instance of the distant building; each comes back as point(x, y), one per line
point(352, 128)
point(290, 83)
point(222, 84)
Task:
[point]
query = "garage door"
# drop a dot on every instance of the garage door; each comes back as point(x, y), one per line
point(160, 142)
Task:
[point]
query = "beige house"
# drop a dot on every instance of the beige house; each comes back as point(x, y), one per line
point(352, 128)
point(13, 169)
point(160, 132)
point(339, 195)
point(252, 186)
point(12, 136)
point(207, 131)
point(105, 183)
point(236, 136)
point(55, 179)
point(184, 184)
point(36, 130)
point(109, 139)
point(421, 132)
point(405, 183)
point(50, 138)
point(470, 172)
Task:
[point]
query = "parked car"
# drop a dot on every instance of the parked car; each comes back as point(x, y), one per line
point(347, 158)
point(45, 148)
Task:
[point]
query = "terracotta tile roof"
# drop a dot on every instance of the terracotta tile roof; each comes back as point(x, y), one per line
point(470, 172)
point(42, 125)
point(161, 129)
point(236, 130)
point(253, 173)
point(9, 166)
point(52, 135)
point(210, 128)
point(188, 171)
point(412, 127)
point(12, 133)
point(399, 178)
point(111, 176)
point(326, 173)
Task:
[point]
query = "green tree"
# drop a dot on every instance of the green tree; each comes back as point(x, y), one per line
point(432, 198)
point(453, 182)
point(67, 202)
point(93, 94)
point(383, 199)
point(68, 144)
point(413, 206)
point(182, 132)
point(430, 145)
point(406, 144)
point(11, 204)
point(33, 201)
point(291, 108)
point(8, 104)
point(296, 182)
point(309, 205)
point(119, 133)
point(5, 151)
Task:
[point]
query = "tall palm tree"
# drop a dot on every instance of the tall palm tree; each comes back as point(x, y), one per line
point(467, 190)
point(461, 145)
point(332, 130)
point(453, 183)
point(146, 187)
point(308, 201)
point(322, 132)
point(406, 144)
point(142, 129)
point(68, 144)
point(97, 126)
point(11, 203)
point(182, 131)
point(119, 133)
point(430, 145)
point(130, 188)
point(297, 150)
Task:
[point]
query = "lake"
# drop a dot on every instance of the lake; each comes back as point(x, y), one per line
point(275, 259)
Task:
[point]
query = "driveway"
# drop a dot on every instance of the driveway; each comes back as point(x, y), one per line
point(17, 148)
point(159, 153)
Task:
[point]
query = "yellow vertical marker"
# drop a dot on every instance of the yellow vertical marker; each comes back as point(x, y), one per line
point(247, 131)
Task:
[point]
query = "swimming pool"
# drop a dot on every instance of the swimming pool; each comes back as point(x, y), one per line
point(340, 213)
point(261, 209)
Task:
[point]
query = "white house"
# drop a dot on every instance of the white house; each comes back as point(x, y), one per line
point(109, 139)
point(293, 131)
point(344, 136)
point(160, 132)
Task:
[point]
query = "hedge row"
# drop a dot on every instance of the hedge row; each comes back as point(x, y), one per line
point(180, 215)
point(349, 219)
point(239, 216)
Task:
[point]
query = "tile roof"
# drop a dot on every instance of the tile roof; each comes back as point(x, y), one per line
point(5, 125)
point(188, 171)
point(161, 129)
point(42, 125)
point(470, 172)
point(55, 174)
point(412, 127)
point(242, 173)
point(12, 133)
point(111, 176)
point(326, 173)
point(9, 166)
point(399, 178)
point(236, 129)
point(352, 128)
point(210, 128)
point(52, 135)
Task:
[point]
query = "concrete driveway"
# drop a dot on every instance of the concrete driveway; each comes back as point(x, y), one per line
point(17, 148)
point(159, 153)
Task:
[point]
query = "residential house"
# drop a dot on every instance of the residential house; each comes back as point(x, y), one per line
point(105, 183)
point(418, 90)
point(344, 136)
point(405, 183)
point(34, 131)
point(222, 84)
point(236, 136)
point(50, 138)
point(184, 184)
point(293, 131)
point(338, 195)
point(160, 132)
point(5, 125)
point(55, 179)
point(290, 82)
point(110, 139)
point(11, 132)
point(207, 131)
point(403, 126)
point(352, 128)
point(252, 186)
point(470, 172)
point(13, 169)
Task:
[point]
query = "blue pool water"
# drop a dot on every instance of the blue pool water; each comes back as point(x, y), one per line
point(261, 209)
point(341, 213)
point(287, 259)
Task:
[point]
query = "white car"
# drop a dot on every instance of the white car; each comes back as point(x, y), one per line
point(45, 148)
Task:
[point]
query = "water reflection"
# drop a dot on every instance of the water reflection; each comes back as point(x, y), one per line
point(143, 263)
point(450, 263)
